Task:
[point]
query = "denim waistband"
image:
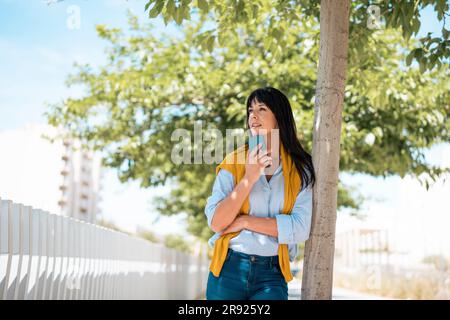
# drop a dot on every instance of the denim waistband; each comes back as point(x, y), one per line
point(269, 260)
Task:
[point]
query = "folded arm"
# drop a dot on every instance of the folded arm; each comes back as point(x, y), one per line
point(223, 205)
point(290, 229)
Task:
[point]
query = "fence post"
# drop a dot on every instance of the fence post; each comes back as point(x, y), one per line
point(25, 252)
point(57, 271)
point(24, 233)
point(13, 247)
point(62, 288)
point(4, 251)
point(7, 240)
point(71, 260)
point(50, 261)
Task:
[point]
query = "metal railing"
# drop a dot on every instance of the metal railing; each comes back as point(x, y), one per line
point(48, 256)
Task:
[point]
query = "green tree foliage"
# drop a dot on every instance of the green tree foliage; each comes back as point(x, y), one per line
point(152, 85)
point(111, 225)
point(148, 235)
point(276, 17)
point(439, 262)
point(177, 242)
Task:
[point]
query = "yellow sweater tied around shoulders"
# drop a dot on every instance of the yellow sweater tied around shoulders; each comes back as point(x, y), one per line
point(234, 162)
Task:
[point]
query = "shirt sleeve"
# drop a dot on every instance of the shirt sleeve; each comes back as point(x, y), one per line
point(223, 186)
point(295, 228)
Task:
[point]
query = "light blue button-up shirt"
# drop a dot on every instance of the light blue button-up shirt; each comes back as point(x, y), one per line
point(266, 200)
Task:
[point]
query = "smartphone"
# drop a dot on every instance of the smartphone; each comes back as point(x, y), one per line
point(253, 142)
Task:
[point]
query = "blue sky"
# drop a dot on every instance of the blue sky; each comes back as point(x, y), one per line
point(37, 52)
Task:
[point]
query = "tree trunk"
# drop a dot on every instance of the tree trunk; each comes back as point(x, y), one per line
point(317, 279)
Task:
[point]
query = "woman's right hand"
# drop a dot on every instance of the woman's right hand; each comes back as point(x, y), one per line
point(256, 163)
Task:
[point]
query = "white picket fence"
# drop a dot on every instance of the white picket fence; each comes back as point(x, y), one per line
point(47, 256)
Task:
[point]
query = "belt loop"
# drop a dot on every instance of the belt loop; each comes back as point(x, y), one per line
point(271, 263)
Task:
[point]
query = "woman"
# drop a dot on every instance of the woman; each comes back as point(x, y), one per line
point(259, 219)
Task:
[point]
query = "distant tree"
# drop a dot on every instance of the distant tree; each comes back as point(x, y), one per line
point(177, 242)
point(439, 262)
point(148, 235)
point(111, 225)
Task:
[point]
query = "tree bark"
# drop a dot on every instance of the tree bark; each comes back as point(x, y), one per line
point(317, 279)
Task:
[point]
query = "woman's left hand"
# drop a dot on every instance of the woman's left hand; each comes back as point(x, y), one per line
point(238, 224)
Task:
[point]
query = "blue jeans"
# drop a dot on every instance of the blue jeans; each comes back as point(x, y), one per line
point(247, 277)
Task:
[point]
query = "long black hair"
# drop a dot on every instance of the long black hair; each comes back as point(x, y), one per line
point(279, 104)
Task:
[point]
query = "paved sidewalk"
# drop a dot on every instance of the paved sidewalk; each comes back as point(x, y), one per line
point(338, 293)
point(294, 288)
